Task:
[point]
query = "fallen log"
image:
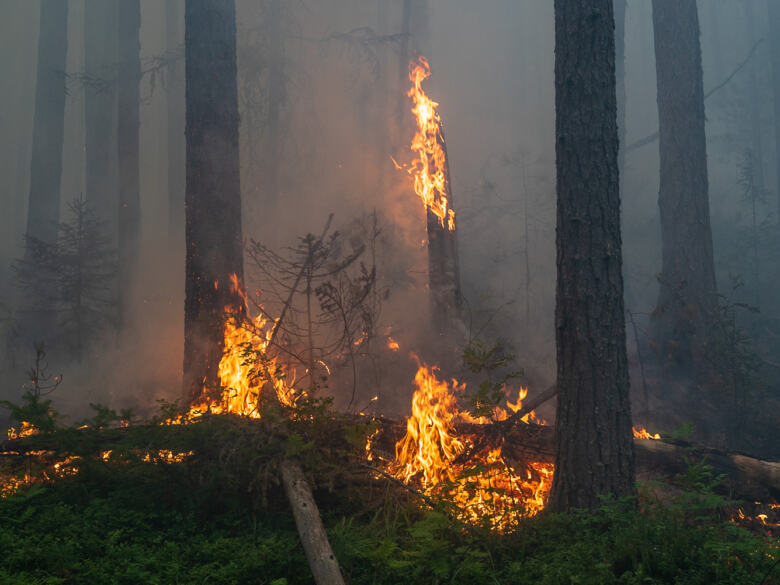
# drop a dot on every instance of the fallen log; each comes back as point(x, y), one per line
point(746, 476)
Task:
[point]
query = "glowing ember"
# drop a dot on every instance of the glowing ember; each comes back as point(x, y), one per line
point(430, 167)
point(25, 430)
point(392, 344)
point(641, 433)
point(491, 490)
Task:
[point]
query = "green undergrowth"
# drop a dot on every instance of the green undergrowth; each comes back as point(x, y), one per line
point(219, 517)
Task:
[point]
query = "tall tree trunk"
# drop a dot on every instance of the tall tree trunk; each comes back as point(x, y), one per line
point(43, 213)
point(686, 300)
point(620, 83)
point(594, 452)
point(774, 39)
point(100, 64)
point(128, 124)
point(754, 104)
point(175, 105)
point(213, 194)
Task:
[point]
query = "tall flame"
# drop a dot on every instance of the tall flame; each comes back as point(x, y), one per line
point(430, 168)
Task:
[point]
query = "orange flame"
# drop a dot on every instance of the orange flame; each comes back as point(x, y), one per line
point(430, 168)
point(496, 492)
point(245, 367)
point(641, 433)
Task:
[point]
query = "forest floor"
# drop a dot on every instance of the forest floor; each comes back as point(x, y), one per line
point(208, 509)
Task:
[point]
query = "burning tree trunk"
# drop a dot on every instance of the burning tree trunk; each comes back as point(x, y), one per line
point(594, 451)
point(128, 123)
point(686, 300)
point(432, 184)
point(213, 196)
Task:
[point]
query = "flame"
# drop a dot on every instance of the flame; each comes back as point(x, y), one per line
point(392, 344)
point(245, 367)
point(494, 491)
point(641, 433)
point(430, 167)
point(429, 445)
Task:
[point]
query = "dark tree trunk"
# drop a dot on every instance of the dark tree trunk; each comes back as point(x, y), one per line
point(100, 65)
point(594, 451)
point(414, 30)
point(443, 262)
point(213, 195)
point(175, 105)
point(620, 83)
point(774, 39)
point(128, 123)
point(43, 214)
point(686, 300)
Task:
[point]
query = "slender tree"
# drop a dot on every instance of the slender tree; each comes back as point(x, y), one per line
point(686, 300)
point(213, 195)
point(175, 105)
point(100, 95)
point(128, 123)
point(774, 39)
point(594, 453)
point(43, 213)
point(754, 102)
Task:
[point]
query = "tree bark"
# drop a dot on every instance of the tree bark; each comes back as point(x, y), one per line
point(175, 129)
point(686, 301)
point(774, 47)
point(43, 214)
point(100, 101)
point(323, 563)
point(213, 196)
point(128, 125)
point(594, 450)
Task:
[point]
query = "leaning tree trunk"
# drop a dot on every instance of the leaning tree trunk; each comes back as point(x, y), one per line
point(213, 193)
point(594, 450)
point(175, 129)
point(43, 213)
point(774, 39)
point(128, 123)
point(100, 95)
point(686, 301)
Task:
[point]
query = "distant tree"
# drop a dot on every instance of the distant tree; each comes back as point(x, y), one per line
point(43, 213)
point(213, 194)
point(175, 106)
point(686, 299)
point(100, 107)
point(71, 280)
point(594, 453)
point(128, 125)
point(774, 25)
